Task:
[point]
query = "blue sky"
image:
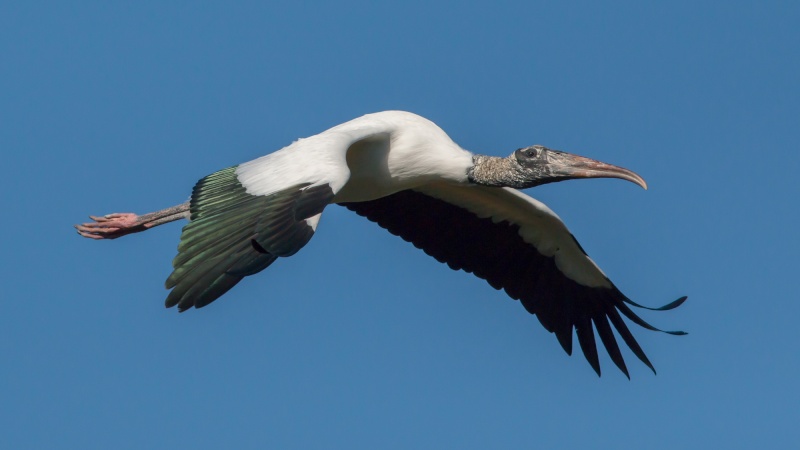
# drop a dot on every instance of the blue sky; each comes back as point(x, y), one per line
point(361, 340)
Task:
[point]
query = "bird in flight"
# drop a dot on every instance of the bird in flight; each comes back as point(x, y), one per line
point(404, 173)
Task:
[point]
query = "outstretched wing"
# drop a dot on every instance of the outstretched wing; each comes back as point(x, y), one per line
point(243, 218)
point(515, 243)
point(233, 234)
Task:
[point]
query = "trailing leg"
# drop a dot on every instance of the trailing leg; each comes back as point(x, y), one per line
point(112, 226)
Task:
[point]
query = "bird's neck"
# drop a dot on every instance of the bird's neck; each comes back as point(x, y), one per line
point(496, 171)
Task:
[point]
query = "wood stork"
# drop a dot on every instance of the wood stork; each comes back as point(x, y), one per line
point(403, 172)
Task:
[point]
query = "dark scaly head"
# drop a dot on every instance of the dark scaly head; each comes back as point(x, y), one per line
point(536, 165)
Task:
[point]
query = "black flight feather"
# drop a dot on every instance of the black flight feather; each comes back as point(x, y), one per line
point(497, 253)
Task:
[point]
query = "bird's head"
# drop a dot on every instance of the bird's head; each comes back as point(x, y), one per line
point(542, 165)
point(536, 165)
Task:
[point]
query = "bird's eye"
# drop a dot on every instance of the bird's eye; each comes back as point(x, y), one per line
point(529, 155)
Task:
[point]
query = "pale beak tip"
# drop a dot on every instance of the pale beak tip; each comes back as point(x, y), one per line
point(635, 178)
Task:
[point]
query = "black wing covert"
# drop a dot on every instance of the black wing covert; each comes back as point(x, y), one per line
point(233, 234)
point(497, 253)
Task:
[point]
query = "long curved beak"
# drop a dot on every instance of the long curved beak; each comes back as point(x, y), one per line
point(565, 166)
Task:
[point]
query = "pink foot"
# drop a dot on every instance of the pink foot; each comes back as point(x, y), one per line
point(111, 226)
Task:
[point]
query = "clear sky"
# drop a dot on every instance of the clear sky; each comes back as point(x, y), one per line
point(361, 340)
